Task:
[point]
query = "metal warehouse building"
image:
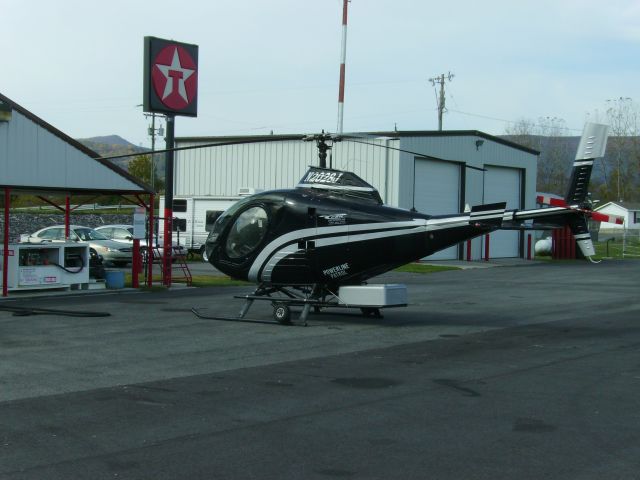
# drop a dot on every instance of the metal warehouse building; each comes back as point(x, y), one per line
point(433, 172)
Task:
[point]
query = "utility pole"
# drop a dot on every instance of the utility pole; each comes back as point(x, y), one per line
point(440, 98)
point(343, 56)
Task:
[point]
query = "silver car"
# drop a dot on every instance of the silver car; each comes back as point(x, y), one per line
point(123, 233)
point(111, 252)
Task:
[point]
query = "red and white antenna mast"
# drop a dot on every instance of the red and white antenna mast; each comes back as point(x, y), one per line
point(343, 57)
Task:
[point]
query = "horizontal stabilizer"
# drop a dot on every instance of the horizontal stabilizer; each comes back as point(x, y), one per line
point(490, 214)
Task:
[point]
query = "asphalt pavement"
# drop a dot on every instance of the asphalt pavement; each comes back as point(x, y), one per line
point(523, 371)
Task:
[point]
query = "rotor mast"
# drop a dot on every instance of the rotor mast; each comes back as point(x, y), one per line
point(323, 147)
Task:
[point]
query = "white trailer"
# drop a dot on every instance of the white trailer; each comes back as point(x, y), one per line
point(199, 213)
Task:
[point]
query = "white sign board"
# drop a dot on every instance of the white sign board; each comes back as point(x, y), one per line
point(139, 223)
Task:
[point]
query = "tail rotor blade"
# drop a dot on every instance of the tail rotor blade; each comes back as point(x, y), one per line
point(605, 218)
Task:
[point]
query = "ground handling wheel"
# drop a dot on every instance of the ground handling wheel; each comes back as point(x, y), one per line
point(282, 313)
point(371, 312)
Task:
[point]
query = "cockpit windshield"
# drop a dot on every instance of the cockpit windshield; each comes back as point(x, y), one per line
point(247, 232)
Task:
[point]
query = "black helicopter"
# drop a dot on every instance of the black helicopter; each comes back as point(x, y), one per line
point(302, 245)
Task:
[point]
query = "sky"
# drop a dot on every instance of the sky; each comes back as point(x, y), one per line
point(273, 66)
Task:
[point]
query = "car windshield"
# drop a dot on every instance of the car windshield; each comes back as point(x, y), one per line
point(88, 234)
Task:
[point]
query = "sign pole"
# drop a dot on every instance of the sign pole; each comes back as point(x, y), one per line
point(168, 201)
point(170, 88)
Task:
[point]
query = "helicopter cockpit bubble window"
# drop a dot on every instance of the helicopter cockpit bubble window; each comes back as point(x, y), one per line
point(247, 232)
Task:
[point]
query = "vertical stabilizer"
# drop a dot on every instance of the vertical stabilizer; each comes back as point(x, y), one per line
point(580, 231)
point(592, 145)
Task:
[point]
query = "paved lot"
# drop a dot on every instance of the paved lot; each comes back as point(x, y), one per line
point(512, 372)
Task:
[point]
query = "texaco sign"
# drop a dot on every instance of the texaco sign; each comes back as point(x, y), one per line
point(170, 77)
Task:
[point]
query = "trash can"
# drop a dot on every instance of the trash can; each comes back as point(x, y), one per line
point(114, 278)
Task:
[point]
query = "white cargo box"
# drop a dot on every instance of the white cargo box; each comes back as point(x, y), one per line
point(386, 295)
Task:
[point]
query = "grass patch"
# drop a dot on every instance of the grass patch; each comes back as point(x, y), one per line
point(424, 268)
point(225, 281)
point(216, 281)
point(197, 281)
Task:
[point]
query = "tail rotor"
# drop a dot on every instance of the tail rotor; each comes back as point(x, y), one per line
point(592, 146)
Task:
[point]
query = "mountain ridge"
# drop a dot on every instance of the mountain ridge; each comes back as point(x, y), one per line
point(110, 145)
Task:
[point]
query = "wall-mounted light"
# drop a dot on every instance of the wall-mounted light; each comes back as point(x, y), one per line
point(5, 111)
point(479, 143)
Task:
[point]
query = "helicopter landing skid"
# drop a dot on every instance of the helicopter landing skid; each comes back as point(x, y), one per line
point(316, 296)
point(204, 316)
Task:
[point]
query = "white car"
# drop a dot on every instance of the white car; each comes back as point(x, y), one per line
point(124, 234)
point(109, 250)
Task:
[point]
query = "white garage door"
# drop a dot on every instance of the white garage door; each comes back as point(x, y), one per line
point(437, 193)
point(503, 184)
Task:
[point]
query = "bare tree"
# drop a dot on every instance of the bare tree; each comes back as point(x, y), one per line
point(548, 136)
point(523, 132)
point(623, 150)
point(553, 168)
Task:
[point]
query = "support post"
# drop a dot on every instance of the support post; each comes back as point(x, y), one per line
point(529, 247)
point(5, 252)
point(67, 218)
point(150, 241)
point(168, 201)
point(136, 263)
point(486, 247)
point(468, 250)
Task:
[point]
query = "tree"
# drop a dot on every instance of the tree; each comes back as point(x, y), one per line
point(140, 167)
point(623, 150)
point(548, 136)
point(522, 133)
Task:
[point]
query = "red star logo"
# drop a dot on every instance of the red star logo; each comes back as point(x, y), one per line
point(174, 77)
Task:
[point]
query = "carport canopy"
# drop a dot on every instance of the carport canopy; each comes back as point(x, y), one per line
point(38, 159)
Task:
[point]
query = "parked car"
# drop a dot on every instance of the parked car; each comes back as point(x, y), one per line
point(110, 251)
point(123, 233)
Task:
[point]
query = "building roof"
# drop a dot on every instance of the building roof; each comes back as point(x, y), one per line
point(626, 205)
point(37, 157)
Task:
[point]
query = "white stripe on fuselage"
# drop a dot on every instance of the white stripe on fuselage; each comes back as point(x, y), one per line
point(539, 212)
point(280, 248)
point(336, 232)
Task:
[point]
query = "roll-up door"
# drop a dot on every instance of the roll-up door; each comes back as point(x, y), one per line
point(503, 184)
point(437, 192)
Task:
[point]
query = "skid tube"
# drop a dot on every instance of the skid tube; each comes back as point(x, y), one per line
point(283, 298)
point(316, 296)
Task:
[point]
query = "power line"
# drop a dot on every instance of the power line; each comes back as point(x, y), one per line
point(509, 121)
